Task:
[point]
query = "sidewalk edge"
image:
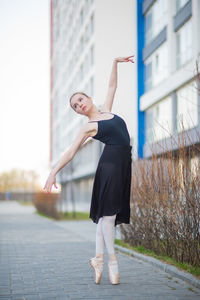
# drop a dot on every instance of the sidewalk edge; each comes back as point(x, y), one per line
point(172, 270)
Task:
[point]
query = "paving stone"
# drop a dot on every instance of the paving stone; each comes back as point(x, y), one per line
point(32, 297)
point(42, 259)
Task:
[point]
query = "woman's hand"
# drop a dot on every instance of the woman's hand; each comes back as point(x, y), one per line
point(124, 59)
point(51, 180)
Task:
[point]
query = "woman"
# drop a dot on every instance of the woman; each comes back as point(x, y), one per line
point(110, 204)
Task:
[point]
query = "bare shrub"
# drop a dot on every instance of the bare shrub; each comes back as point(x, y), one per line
point(165, 206)
point(165, 199)
point(46, 203)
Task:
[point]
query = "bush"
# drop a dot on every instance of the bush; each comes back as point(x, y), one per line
point(46, 203)
point(165, 204)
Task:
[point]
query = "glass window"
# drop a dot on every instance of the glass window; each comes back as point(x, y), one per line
point(81, 72)
point(180, 4)
point(92, 24)
point(155, 20)
point(149, 125)
point(194, 166)
point(159, 120)
point(156, 67)
point(187, 107)
point(160, 65)
point(92, 86)
point(87, 34)
point(82, 44)
point(92, 55)
point(148, 27)
point(81, 17)
point(148, 76)
point(184, 44)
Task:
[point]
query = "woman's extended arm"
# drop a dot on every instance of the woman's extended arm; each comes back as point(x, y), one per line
point(83, 134)
point(113, 76)
point(112, 86)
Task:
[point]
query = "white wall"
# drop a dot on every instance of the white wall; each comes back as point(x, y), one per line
point(115, 36)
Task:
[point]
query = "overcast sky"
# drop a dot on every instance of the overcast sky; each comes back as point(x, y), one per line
point(24, 85)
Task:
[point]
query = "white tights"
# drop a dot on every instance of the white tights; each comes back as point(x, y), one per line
point(105, 234)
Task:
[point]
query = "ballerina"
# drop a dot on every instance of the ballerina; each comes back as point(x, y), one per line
point(110, 203)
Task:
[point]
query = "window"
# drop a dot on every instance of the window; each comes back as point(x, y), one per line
point(81, 44)
point(148, 76)
point(81, 17)
point(148, 27)
point(156, 67)
point(187, 107)
point(92, 55)
point(155, 20)
point(81, 73)
point(180, 4)
point(92, 86)
point(85, 65)
point(92, 24)
point(194, 166)
point(87, 34)
point(184, 44)
point(159, 120)
point(149, 125)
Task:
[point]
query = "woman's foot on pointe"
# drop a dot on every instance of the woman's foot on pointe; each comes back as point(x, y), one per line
point(97, 264)
point(113, 271)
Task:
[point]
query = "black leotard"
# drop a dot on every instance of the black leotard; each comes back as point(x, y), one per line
point(112, 131)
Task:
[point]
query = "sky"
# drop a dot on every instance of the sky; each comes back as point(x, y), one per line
point(25, 85)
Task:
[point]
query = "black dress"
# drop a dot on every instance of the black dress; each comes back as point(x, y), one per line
point(112, 181)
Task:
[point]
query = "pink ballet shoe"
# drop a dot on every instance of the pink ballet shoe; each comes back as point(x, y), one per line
point(114, 278)
point(97, 265)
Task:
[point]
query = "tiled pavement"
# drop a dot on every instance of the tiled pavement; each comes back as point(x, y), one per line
point(41, 260)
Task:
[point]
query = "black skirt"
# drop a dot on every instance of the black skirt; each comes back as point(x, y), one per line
point(112, 184)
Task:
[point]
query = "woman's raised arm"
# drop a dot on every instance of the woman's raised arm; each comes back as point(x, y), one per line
point(112, 86)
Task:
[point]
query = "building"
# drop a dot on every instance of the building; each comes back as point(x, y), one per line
point(168, 48)
point(86, 35)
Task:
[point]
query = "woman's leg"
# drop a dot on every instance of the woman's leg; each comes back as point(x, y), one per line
point(108, 229)
point(100, 244)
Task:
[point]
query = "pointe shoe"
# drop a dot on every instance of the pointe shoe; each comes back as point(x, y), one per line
point(114, 278)
point(96, 264)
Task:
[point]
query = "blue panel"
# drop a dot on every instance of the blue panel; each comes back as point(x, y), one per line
point(183, 15)
point(140, 71)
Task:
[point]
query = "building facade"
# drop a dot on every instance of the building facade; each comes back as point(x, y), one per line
point(168, 97)
point(157, 96)
point(86, 35)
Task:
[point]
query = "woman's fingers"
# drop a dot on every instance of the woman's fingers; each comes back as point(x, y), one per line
point(128, 59)
point(125, 59)
point(48, 185)
point(49, 189)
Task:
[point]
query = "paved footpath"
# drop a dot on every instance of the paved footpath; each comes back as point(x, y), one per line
point(45, 259)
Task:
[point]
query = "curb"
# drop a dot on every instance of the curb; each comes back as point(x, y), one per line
point(172, 270)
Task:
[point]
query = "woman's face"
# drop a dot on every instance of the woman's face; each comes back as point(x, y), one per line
point(81, 104)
